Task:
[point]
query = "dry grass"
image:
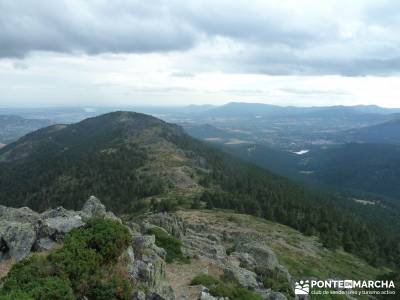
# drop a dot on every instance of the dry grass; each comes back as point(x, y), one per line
point(181, 275)
point(5, 267)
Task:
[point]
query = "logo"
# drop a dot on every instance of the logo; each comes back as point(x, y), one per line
point(344, 287)
point(302, 287)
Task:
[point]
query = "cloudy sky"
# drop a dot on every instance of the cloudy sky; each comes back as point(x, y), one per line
point(153, 52)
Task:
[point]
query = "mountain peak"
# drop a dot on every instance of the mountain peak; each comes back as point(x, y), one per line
point(123, 117)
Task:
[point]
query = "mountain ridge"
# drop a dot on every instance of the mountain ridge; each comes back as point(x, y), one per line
point(140, 163)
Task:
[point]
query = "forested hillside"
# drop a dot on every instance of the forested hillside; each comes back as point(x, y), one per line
point(138, 162)
point(384, 133)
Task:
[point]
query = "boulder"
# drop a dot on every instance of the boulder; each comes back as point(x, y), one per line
point(264, 257)
point(23, 230)
point(198, 244)
point(143, 241)
point(243, 259)
point(138, 270)
point(169, 222)
point(204, 295)
point(243, 276)
point(44, 244)
point(57, 212)
point(20, 215)
point(57, 227)
point(17, 239)
point(94, 208)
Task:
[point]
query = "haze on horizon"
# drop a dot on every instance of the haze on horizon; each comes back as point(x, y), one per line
point(135, 53)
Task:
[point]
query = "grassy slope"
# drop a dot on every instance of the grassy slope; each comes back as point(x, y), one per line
point(302, 255)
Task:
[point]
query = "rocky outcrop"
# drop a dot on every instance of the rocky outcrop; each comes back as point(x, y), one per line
point(94, 208)
point(169, 222)
point(264, 258)
point(237, 254)
point(16, 239)
point(23, 230)
point(247, 253)
point(148, 268)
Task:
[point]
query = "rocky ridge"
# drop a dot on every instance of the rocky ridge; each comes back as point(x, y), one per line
point(23, 231)
point(236, 255)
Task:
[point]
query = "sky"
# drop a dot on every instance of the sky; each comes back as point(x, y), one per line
point(153, 52)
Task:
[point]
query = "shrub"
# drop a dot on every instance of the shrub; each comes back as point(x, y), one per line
point(33, 278)
point(122, 287)
point(278, 285)
point(230, 250)
point(109, 238)
point(171, 244)
point(116, 288)
point(224, 288)
point(233, 291)
point(24, 274)
point(53, 288)
point(16, 294)
point(274, 281)
point(80, 265)
point(101, 291)
point(206, 280)
point(166, 205)
point(196, 204)
point(81, 268)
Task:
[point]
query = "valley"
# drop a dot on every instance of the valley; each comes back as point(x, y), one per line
point(316, 223)
point(199, 150)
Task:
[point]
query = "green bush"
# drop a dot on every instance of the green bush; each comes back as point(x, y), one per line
point(274, 281)
point(24, 274)
point(278, 285)
point(15, 294)
point(80, 265)
point(109, 238)
point(165, 205)
point(225, 288)
point(171, 244)
point(81, 268)
point(233, 291)
point(33, 278)
point(230, 250)
point(52, 288)
point(101, 291)
point(206, 280)
point(118, 288)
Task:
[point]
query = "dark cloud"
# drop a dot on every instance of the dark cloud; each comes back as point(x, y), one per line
point(90, 27)
point(271, 37)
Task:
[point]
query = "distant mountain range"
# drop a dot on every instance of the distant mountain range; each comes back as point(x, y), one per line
point(137, 163)
point(386, 133)
point(13, 127)
point(257, 109)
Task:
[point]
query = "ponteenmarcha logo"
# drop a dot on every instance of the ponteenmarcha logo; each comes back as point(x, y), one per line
point(345, 287)
point(302, 287)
